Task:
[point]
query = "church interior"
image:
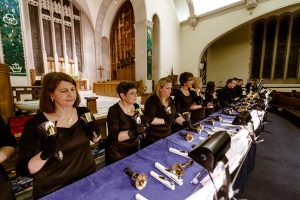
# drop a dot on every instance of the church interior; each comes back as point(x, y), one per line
point(101, 43)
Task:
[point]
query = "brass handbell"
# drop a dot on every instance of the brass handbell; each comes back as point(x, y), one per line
point(91, 123)
point(140, 180)
point(199, 128)
point(178, 169)
point(187, 136)
point(218, 118)
point(50, 129)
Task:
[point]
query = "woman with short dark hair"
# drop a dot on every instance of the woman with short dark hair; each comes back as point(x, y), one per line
point(184, 101)
point(123, 129)
point(55, 144)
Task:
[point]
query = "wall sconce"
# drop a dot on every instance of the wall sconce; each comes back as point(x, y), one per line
point(201, 66)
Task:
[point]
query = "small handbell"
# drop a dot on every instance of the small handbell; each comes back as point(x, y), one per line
point(178, 169)
point(187, 136)
point(51, 131)
point(199, 128)
point(91, 123)
point(87, 117)
point(140, 180)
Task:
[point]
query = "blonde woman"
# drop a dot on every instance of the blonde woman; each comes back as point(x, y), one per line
point(160, 112)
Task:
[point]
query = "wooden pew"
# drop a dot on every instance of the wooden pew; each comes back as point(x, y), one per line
point(289, 101)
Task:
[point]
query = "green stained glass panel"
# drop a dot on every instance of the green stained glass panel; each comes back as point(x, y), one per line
point(149, 53)
point(11, 37)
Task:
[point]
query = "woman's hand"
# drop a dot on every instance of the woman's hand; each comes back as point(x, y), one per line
point(96, 139)
point(210, 105)
point(195, 107)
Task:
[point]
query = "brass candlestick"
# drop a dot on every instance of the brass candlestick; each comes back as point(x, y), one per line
point(178, 169)
point(140, 180)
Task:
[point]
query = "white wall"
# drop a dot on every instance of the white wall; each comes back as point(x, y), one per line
point(213, 26)
point(229, 56)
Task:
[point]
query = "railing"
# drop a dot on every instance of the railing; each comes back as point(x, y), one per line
point(34, 91)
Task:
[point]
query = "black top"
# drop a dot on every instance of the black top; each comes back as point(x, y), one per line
point(210, 98)
point(225, 97)
point(233, 93)
point(155, 109)
point(118, 121)
point(251, 87)
point(238, 91)
point(77, 162)
point(198, 114)
point(183, 104)
point(6, 139)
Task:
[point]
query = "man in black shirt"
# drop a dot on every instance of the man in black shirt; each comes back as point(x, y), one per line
point(252, 86)
point(238, 88)
point(225, 94)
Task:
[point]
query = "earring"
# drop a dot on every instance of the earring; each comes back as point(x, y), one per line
point(52, 99)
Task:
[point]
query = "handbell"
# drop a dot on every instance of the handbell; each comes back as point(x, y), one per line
point(178, 169)
point(218, 118)
point(187, 136)
point(140, 180)
point(91, 123)
point(50, 129)
point(199, 128)
point(87, 117)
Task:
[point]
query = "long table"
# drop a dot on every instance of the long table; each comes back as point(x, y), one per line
point(112, 183)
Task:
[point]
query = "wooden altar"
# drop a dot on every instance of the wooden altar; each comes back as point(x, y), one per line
point(109, 88)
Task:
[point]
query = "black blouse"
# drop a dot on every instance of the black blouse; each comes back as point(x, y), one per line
point(183, 104)
point(77, 162)
point(155, 109)
point(118, 121)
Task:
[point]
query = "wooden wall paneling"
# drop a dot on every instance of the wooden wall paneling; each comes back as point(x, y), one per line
point(122, 42)
point(6, 97)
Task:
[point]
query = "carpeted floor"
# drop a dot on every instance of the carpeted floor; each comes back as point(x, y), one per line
point(277, 166)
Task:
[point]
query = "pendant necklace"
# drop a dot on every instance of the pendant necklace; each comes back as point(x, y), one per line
point(129, 111)
point(69, 120)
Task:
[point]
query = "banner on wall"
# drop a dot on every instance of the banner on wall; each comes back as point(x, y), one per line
point(11, 37)
point(149, 53)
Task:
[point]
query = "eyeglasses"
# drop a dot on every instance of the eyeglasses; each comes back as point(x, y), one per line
point(191, 79)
